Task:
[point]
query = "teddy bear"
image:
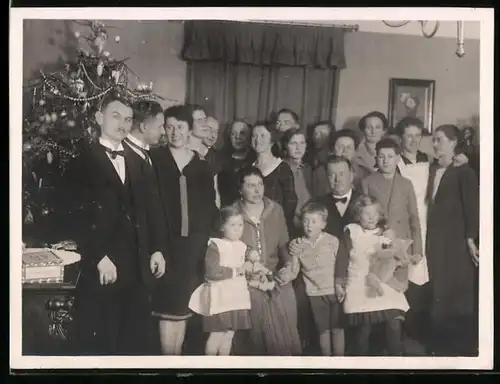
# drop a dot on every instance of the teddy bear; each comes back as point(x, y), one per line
point(257, 274)
point(389, 256)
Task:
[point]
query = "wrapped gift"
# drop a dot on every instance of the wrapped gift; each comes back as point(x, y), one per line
point(41, 265)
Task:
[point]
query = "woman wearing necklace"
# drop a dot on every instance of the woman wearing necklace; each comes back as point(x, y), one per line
point(273, 310)
point(188, 198)
point(279, 184)
point(452, 248)
point(237, 155)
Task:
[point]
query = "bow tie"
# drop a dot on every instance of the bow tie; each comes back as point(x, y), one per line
point(342, 200)
point(114, 153)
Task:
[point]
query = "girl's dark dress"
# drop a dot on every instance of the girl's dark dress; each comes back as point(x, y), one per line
point(188, 199)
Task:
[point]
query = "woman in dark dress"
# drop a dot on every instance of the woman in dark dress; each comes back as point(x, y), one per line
point(237, 155)
point(452, 252)
point(279, 184)
point(188, 198)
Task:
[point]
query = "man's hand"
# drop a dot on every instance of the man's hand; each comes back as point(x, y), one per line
point(107, 271)
point(157, 264)
point(340, 292)
point(460, 159)
point(473, 251)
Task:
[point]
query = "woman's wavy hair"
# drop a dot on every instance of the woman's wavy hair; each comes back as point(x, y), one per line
point(287, 136)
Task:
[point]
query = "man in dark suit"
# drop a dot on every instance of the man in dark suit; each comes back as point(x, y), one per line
point(112, 225)
point(341, 176)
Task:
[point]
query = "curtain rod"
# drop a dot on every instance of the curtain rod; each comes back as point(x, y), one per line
point(348, 27)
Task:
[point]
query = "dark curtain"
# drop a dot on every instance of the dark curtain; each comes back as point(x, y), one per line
point(250, 70)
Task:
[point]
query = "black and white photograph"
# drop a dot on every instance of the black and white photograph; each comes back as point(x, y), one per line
point(200, 189)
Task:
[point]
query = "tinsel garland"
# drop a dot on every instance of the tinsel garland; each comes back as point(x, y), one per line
point(60, 121)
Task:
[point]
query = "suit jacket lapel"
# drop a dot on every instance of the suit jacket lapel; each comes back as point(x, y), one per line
point(134, 172)
point(108, 168)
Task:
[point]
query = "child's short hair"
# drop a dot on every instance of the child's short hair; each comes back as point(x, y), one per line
point(316, 208)
point(225, 213)
point(387, 142)
point(365, 201)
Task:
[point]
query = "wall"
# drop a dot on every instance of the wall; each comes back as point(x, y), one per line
point(153, 47)
point(372, 59)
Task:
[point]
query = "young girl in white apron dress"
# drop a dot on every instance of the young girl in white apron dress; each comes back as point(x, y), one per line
point(224, 299)
point(362, 310)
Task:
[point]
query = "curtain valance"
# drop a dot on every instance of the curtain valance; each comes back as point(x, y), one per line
point(263, 44)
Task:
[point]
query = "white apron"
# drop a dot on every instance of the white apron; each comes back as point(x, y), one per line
point(356, 299)
point(418, 174)
point(231, 294)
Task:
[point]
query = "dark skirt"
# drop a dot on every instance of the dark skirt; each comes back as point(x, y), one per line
point(374, 317)
point(326, 312)
point(184, 272)
point(227, 321)
point(274, 322)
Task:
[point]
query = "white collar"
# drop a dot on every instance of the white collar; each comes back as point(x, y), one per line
point(347, 195)
point(138, 142)
point(321, 235)
point(108, 144)
point(268, 171)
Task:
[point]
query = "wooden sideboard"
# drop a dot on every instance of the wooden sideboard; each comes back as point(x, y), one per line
point(47, 318)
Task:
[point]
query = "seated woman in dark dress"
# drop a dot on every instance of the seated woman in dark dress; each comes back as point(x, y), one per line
point(188, 198)
point(278, 177)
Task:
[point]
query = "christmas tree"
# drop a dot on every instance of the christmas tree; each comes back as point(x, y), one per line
point(60, 120)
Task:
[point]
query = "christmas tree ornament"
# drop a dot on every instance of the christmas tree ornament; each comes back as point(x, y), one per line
point(53, 117)
point(48, 118)
point(41, 102)
point(63, 113)
point(117, 39)
point(106, 54)
point(41, 118)
point(77, 34)
point(100, 68)
point(27, 146)
point(50, 157)
point(45, 211)
point(100, 41)
point(71, 123)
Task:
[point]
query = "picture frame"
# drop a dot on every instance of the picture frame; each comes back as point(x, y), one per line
point(412, 97)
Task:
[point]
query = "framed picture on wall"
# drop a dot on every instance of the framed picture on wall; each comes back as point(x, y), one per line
point(411, 97)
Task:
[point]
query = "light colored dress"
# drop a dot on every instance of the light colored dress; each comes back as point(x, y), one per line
point(215, 297)
point(357, 300)
point(418, 174)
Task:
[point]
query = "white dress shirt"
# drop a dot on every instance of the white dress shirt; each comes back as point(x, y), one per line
point(342, 207)
point(119, 161)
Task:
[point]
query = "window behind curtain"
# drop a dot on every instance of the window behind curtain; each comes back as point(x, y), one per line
point(247, 70)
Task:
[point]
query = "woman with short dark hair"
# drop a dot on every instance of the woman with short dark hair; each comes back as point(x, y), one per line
point(373, 127)
point(188, 198)
point(273, 311)
point(452, 248)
